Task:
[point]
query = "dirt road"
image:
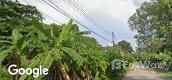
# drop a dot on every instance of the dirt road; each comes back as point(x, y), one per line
point(141, 74)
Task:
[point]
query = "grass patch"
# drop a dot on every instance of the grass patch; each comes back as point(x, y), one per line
point(166, 75)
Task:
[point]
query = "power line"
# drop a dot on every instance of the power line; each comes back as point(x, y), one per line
point(45, 14)
point(50, 17)
point(94, 18)
point(57, 8)
point(87, 15)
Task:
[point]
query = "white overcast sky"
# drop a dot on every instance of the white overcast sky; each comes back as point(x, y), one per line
point(111, 14)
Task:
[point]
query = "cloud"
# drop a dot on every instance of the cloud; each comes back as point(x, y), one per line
point(137, 3)
point(111, 14)
point(120, 29)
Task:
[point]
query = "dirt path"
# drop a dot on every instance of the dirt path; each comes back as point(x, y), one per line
point(141, 74)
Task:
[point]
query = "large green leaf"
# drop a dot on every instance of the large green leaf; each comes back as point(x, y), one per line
point(55, 31)
point(16, 36)
point(48, 60)
point(4, 54)
point(24, 61)
point(4, 74)
point(57, 55)
point(40, 27)
point(35, 62)
point(43, 45)
point(65, 34)
point(74, 55)
point(5, 41)
point(97, 76)
point(5, 37)
point(25, 44)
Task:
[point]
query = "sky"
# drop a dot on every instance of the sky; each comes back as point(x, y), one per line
point(110, 16)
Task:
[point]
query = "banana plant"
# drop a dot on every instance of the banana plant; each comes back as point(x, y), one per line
point(17, 45)
point(15, 51)
point(53, 52)
point(64, 45)
point(63, 48)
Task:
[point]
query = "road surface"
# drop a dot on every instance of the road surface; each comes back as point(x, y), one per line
point(141, 74)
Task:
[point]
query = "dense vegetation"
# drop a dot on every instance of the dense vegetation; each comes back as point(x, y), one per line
point(153, 22)
point(166, 75)
point(68, 53)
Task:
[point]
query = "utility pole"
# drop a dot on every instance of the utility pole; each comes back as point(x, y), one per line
point(113, 36)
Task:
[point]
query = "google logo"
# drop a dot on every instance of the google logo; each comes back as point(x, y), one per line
point(36, 72)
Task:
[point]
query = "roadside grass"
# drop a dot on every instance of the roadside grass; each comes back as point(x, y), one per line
point(166, 75)
point(119, 76)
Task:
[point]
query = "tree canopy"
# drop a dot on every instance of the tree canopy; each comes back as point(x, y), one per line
point(125, 46)
point(153, 22)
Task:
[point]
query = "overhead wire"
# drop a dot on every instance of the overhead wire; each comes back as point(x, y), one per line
point(50, 17)
point(44, 14)
point(93, 17)
point(87, 15)
point(57, 8)
point(85, 12)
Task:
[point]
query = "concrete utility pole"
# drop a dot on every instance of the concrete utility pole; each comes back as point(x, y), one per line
point(113, 36)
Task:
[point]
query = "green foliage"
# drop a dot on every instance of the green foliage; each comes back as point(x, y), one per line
point(4, 73)
point(16, 15)
point(64, 49)
point(4, 54)
point(115, 53)
point(152, 21)
point(166, 75)
point(125, 46)
point(74, 55)
point(156, 58)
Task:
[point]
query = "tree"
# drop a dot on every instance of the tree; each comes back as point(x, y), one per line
point(125, 46)
point(152, 21)
point(22, 15)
